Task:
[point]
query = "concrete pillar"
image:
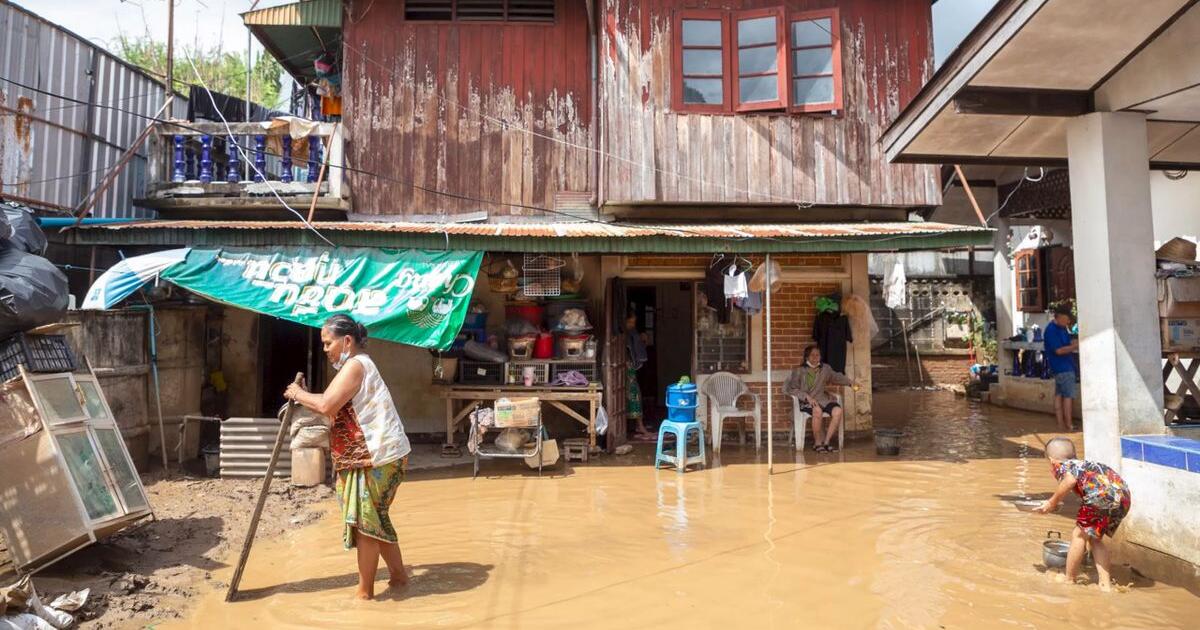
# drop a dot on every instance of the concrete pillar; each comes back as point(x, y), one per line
point(1002, 280)
point(1120, 353)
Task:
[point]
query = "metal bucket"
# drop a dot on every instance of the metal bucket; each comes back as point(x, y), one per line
point(887, 441)
point(1054, 551)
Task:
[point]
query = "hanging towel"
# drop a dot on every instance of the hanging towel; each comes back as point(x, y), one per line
point(736, 284)
point(752, 304)
point(894, 281)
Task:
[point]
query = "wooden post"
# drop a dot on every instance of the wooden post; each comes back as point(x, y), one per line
point(262, 496)
point(970, 195)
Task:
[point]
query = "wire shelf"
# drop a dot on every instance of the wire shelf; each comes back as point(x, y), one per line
point(542, 276)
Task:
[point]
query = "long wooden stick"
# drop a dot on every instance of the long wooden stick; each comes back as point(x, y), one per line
point(262, 496)
point(970, 195)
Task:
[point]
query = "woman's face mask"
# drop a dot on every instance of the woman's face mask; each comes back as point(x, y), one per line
point(343, 357)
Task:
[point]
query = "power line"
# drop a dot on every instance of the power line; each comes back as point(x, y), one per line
point(600, 152)
point(242, 149)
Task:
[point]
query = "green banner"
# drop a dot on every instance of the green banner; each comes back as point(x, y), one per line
point(415, 297)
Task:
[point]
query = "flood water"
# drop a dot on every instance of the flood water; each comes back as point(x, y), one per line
point(925, 540)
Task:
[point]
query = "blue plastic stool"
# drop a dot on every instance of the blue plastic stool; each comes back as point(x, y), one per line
point(680, 459)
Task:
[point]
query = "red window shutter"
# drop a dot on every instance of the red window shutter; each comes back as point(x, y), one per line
point(805, 44)
point(695, 81)
point(759, 59)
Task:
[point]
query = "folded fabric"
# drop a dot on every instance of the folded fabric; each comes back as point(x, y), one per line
point(570, 378)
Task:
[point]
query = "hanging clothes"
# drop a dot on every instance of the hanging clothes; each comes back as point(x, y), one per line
point(831, 331)
point(752, 304)
point(735, 283)
point(714, 290)
point(895, 294)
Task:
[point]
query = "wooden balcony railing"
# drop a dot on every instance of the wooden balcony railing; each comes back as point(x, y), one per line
point(199, 167)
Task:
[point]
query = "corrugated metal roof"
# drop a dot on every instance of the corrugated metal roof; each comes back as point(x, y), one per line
point(318, 13)
point(581, 237)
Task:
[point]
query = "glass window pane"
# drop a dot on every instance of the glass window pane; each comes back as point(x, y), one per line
point(757, 31)
point(812, 32)
point(819, 90)
point(703, 91)
point(88, 475)
point(701, 32)
point(702, 61)
point(123, 473)
point(58, 398)
point(812, 61)
point(92, 400)
point(756, 60)
point(758, 89)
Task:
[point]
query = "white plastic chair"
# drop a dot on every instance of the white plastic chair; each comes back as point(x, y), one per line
point(800, 420)
point(723, 391)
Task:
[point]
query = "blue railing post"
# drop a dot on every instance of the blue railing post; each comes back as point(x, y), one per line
point(178, 175)
point(206, 163)
point(260, 157)
point(314, 158)
point(231, 173)
point(189, 156)
point(285, 167)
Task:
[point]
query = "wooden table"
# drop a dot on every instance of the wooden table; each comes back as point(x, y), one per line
point(557, 397)
point(1187, 382)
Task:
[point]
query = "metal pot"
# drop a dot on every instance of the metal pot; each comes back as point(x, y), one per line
point(1054, 551)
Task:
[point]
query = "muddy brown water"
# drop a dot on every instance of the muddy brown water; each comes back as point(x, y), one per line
point(929, 539)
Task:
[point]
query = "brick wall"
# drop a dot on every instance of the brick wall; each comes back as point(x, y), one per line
point(702, 261)
point(938, 370)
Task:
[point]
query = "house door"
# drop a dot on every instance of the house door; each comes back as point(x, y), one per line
point(616, 359)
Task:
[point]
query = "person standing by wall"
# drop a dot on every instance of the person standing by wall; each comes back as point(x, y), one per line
point(1060, 352)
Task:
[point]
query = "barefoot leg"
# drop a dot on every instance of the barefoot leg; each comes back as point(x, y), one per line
point(368, 564)
point(818, 420)
point(1075, 553)
point(397, 576)
point(1100, 555)
point(835, 419)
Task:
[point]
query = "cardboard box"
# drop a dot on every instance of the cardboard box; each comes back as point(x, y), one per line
point(1179, 298)
point(1180, 334)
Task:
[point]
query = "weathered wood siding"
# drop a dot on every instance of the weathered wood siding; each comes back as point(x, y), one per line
point(657, 155)
point(450, 107)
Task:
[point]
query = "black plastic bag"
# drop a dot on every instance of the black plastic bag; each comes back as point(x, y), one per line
point(24, 232)
point(32, 291)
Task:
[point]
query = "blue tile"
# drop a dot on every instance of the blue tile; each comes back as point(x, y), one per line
point(1193, 462)
point(1131, 449)
point(1165, 456)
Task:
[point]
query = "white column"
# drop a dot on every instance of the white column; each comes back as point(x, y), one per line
point(1120, 353)
point(1002, 280)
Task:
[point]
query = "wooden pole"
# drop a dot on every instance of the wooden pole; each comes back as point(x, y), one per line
point(770, 396)
point(170, 50)
point(262, 496)
point(312, 206)
point(970, 195)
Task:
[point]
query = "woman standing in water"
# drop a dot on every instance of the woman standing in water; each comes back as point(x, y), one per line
point(369, 448)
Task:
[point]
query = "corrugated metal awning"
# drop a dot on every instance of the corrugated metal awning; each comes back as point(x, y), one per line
point(578, 237)
point(296, 34)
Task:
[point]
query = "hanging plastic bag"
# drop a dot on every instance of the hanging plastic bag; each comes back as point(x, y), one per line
point(759, 282)
point(601, 421)
point(861, 319)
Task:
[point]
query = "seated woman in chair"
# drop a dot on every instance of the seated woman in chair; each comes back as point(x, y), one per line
point(808, 382)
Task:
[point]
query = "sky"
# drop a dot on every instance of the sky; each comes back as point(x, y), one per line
point(212, 23)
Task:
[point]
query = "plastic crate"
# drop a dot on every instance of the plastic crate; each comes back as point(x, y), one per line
point(480, 373)
point(515, 372)
point(38, 353)
point(586, 368)
point(518, 412)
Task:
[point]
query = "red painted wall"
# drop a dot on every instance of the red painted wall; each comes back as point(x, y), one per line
point(447, 105)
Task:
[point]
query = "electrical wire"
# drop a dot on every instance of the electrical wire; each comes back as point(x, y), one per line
point(250, 162)
point(1024, 178)
point(682, 231)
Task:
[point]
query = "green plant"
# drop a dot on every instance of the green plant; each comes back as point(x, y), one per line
point(983, 339)
point(223, 71)
point(1068, 302)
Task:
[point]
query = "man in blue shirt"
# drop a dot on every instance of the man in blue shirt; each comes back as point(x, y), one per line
point(1060, 352)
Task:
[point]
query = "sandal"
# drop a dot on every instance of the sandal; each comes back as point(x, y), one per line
point(822, 448)
point(831, 448)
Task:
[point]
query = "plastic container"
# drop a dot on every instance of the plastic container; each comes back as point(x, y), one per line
point(476, 320)
point(887, 441)
point(682, 400)
point(532, 313)
point(212, 460)
point(543, 348)
point(38, 353)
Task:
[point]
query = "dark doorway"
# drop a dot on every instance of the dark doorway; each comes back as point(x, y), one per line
point(664, 315)
point(284, 349)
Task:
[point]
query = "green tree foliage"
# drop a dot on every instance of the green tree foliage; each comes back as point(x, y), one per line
point(222, 71)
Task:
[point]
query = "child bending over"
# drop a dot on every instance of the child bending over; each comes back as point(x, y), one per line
point(1105, 498)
